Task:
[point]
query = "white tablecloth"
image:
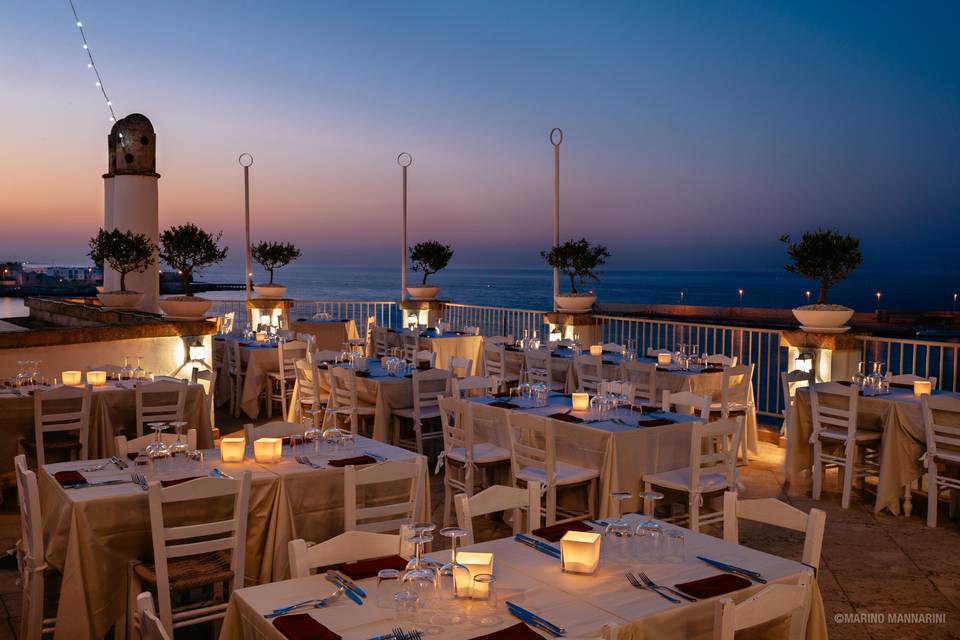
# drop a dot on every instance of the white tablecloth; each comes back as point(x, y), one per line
point(259, 360)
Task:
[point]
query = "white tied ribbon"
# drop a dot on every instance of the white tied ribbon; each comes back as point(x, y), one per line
point(439, 466)
point(927, 458)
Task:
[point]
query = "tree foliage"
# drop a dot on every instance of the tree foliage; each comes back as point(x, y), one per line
point(578, 259)
point(273, 255)
point(123, 251)
point(430, 257)
point(825, 256)
point(188, 249)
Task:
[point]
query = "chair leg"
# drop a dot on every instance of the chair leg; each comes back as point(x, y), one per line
point(693, 509)
point(932, 496)
point(817, 470)
point(647, 504)
point(592, 499)
point(447, 503)
point(848, 476)
point(551, 505)
point(418, 435)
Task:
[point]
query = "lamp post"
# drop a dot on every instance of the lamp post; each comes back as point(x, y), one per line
point(878, 301)
point(556, 139)
point(404, 160)
point(740, 293)
point(808, 296)
point(246, 161)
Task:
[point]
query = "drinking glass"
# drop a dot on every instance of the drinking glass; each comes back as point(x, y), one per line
point(125, 371)
point(313, 435)
point(388, 583)
point(673, 546)
point(618, 534)
point(650, 532)
point(449, 576)
point(178, 450)
point(157, 451)
point(405, 604)
point(484, 600)
point(138, 373)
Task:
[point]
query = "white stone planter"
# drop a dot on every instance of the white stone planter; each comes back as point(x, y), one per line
point(575, 302)
point(423, 293)
point(120, 299)
point(825, 318)
point(185, 307)
point(270, 290)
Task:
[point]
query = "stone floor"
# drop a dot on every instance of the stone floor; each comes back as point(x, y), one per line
point(872, 564)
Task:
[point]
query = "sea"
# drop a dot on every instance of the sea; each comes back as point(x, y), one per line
point(531, 288)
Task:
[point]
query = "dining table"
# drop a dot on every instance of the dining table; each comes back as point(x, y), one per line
point(622, 445)
point(445, 345)
point(259, 360)
point(603, 604)
point(329, 335)
point(92, 532)
point(897, 416)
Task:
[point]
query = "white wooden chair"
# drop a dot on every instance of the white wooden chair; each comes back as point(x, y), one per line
point(31, 560)
point(124, 447)
point(534, 459)
point(653, 353)
point(309, 394)
point(208, 380)
point(499, 340)
point(495, 363)
point(712, 470)
point(686, 403)
point(780, 514)
point(854, 452)
point(383, 518)
point(324, 356)
point(275, 429)
point(425, 356)
point(70, 411)
point(722, 360)
point(427, 387)
point(150, 626)
point(349, 546)
point(496, 499)
point(909, 378)
point(618, 387)
point(772, 603)
point(644, 379)
point(589, 372)
point(462, 455)
point(283, 379)
point(459, 367)
point(344, 401)
point(941, 422)
point(236, 372)
point(538, 369)
point(789, 383)
point(474, 385)
point(199, 555)
point(736, 399)
point(612, 347)
point(411, 345)
point(379, 341)
point(160, 401)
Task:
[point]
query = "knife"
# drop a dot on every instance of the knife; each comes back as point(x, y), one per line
point(348, 592)
point(539, 546)
point(120, 463)
point(375, 456)
point(546, 624)
point(348, 583)
point(729, 568)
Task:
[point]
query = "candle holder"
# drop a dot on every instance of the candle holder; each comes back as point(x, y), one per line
point(232, 449)
point(580, 551)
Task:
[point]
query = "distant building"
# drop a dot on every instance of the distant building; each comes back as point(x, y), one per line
point(66, 273)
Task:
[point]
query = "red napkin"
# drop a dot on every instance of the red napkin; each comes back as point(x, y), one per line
point(362, 374)
point(656, 422)
point(502, 394)
point(68, 478)
point(346, 462)
point(712, 370)
point(901, 385)
point(503, 405)
point(369, 568)
point(518, 631)
point(646, 408)
point(300, 626)
point(664, 369)
point(555, 532)
point(176, 481)
point(713, 586)
point(566, 417)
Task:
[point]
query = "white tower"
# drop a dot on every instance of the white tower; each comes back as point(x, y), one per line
point(130, 201)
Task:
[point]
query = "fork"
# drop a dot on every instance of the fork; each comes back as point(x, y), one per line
point(96, 468)
point(636, 583)
point(140, 480)
point(306, 461)
point(650, 584)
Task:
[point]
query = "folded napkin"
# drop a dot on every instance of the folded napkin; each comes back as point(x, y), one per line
point(517, 349)
point(502, 394)
point(69, 478)
point(363, 374)
point(176, 481)
point(566, 417)
point(901, 385)
point(656, 422)
point(518, 631)
point(645, 408)
point(555, 532)
point(713, 586)
point(664, 369)
point(369, 568)
point(609, 361)
point(424, 366)
point(712, 370)
point(346, 462)
point(504, 405)
point(300, 626)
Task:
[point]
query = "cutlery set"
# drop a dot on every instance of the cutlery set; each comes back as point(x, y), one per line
point(400, 634)
point(532, 619)
point(304, 460)
point(344, 585)
point(542, 547)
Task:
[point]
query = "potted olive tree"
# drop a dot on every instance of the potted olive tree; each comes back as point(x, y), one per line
point(125, 252)
point(188, 249)
point(428, 258)
point(272, 256)
point(826, 257)
point(579, 260)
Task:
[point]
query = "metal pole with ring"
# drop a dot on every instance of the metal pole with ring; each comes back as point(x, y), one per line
point(246, 161)
point(404, 160)
point(556, 139)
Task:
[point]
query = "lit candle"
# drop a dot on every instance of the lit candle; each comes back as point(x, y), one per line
point(663, 359)
point(477, 563)
point(267, 449)
point(97, 378)
point(581, 401)
point(580, 551)
point(596, 349)
point(232, 449)
point(70, 378)
point(922, 387)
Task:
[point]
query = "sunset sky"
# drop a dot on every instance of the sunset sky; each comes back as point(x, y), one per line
point(696, 133)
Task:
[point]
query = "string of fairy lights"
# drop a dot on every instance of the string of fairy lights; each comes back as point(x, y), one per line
point(91, 63)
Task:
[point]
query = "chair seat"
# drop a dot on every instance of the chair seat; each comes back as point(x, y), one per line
point(565, 474)
point(363, 410)
point(426, 414)
point(323, 399)
point(679, 480)
point(55, 440)
point(483, 453)
point(191, 572)
point(735, 407)
point(841, 435)
point(275, 375)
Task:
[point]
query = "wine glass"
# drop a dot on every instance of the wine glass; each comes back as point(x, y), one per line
point(618, 534)
point(178, 450)
point(125, 371)
point(421, 577)
point(650, 532)
point(157, 451)
point(138, 373)
point(453, 581)
point(313, 434)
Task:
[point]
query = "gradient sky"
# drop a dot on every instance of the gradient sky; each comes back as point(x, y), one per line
point(712, 126)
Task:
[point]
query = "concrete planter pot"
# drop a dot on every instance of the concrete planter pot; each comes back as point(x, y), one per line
point(813, 317)
point(270, 290)
point(423, 293)
point(120, 299)
point(575, 302)
point(185, 307)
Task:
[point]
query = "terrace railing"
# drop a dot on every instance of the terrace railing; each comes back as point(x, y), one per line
point(384, 313)
point(924, 358)
point(496, 321)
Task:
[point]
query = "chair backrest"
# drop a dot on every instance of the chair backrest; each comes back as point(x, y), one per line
point(459, 367)
point(275, 429)
point(31, 524)
point(343, 389)
point(532, 444)
point(713, 450)
point(793, 380)
point(589, 372)
point(500, 340)
point(612, 347)
point(427, 387)
point(909, 378)
point(494, 359)
point(735, 384)
point(486, 385)
point(653, 353)
point(380, 343)
point(197, 538)
point(160, 401)
point(425, 355)
point(495, 499)
point(941, 423)
point(620, 388)
point(383, 517)
point(644, 379)
point(772, 603)
point(123, 447)
point(456, 421)
point(537, 366)
point(61, 409)
point(774, 512)
point(287, 355)
point(349, 546)
point(411, 344)
point(687, 403)
point(834, 405)
point(324, 355)
point(228, 322)
point(150, 626)
point(208, 380)
point(719, 358)
point(308, 382)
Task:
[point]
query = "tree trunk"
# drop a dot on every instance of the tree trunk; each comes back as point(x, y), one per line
point(573, 283)
point(271, 275)
point(185, 277)
point(425, 274)
point(123, 281)
point(822, 296)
